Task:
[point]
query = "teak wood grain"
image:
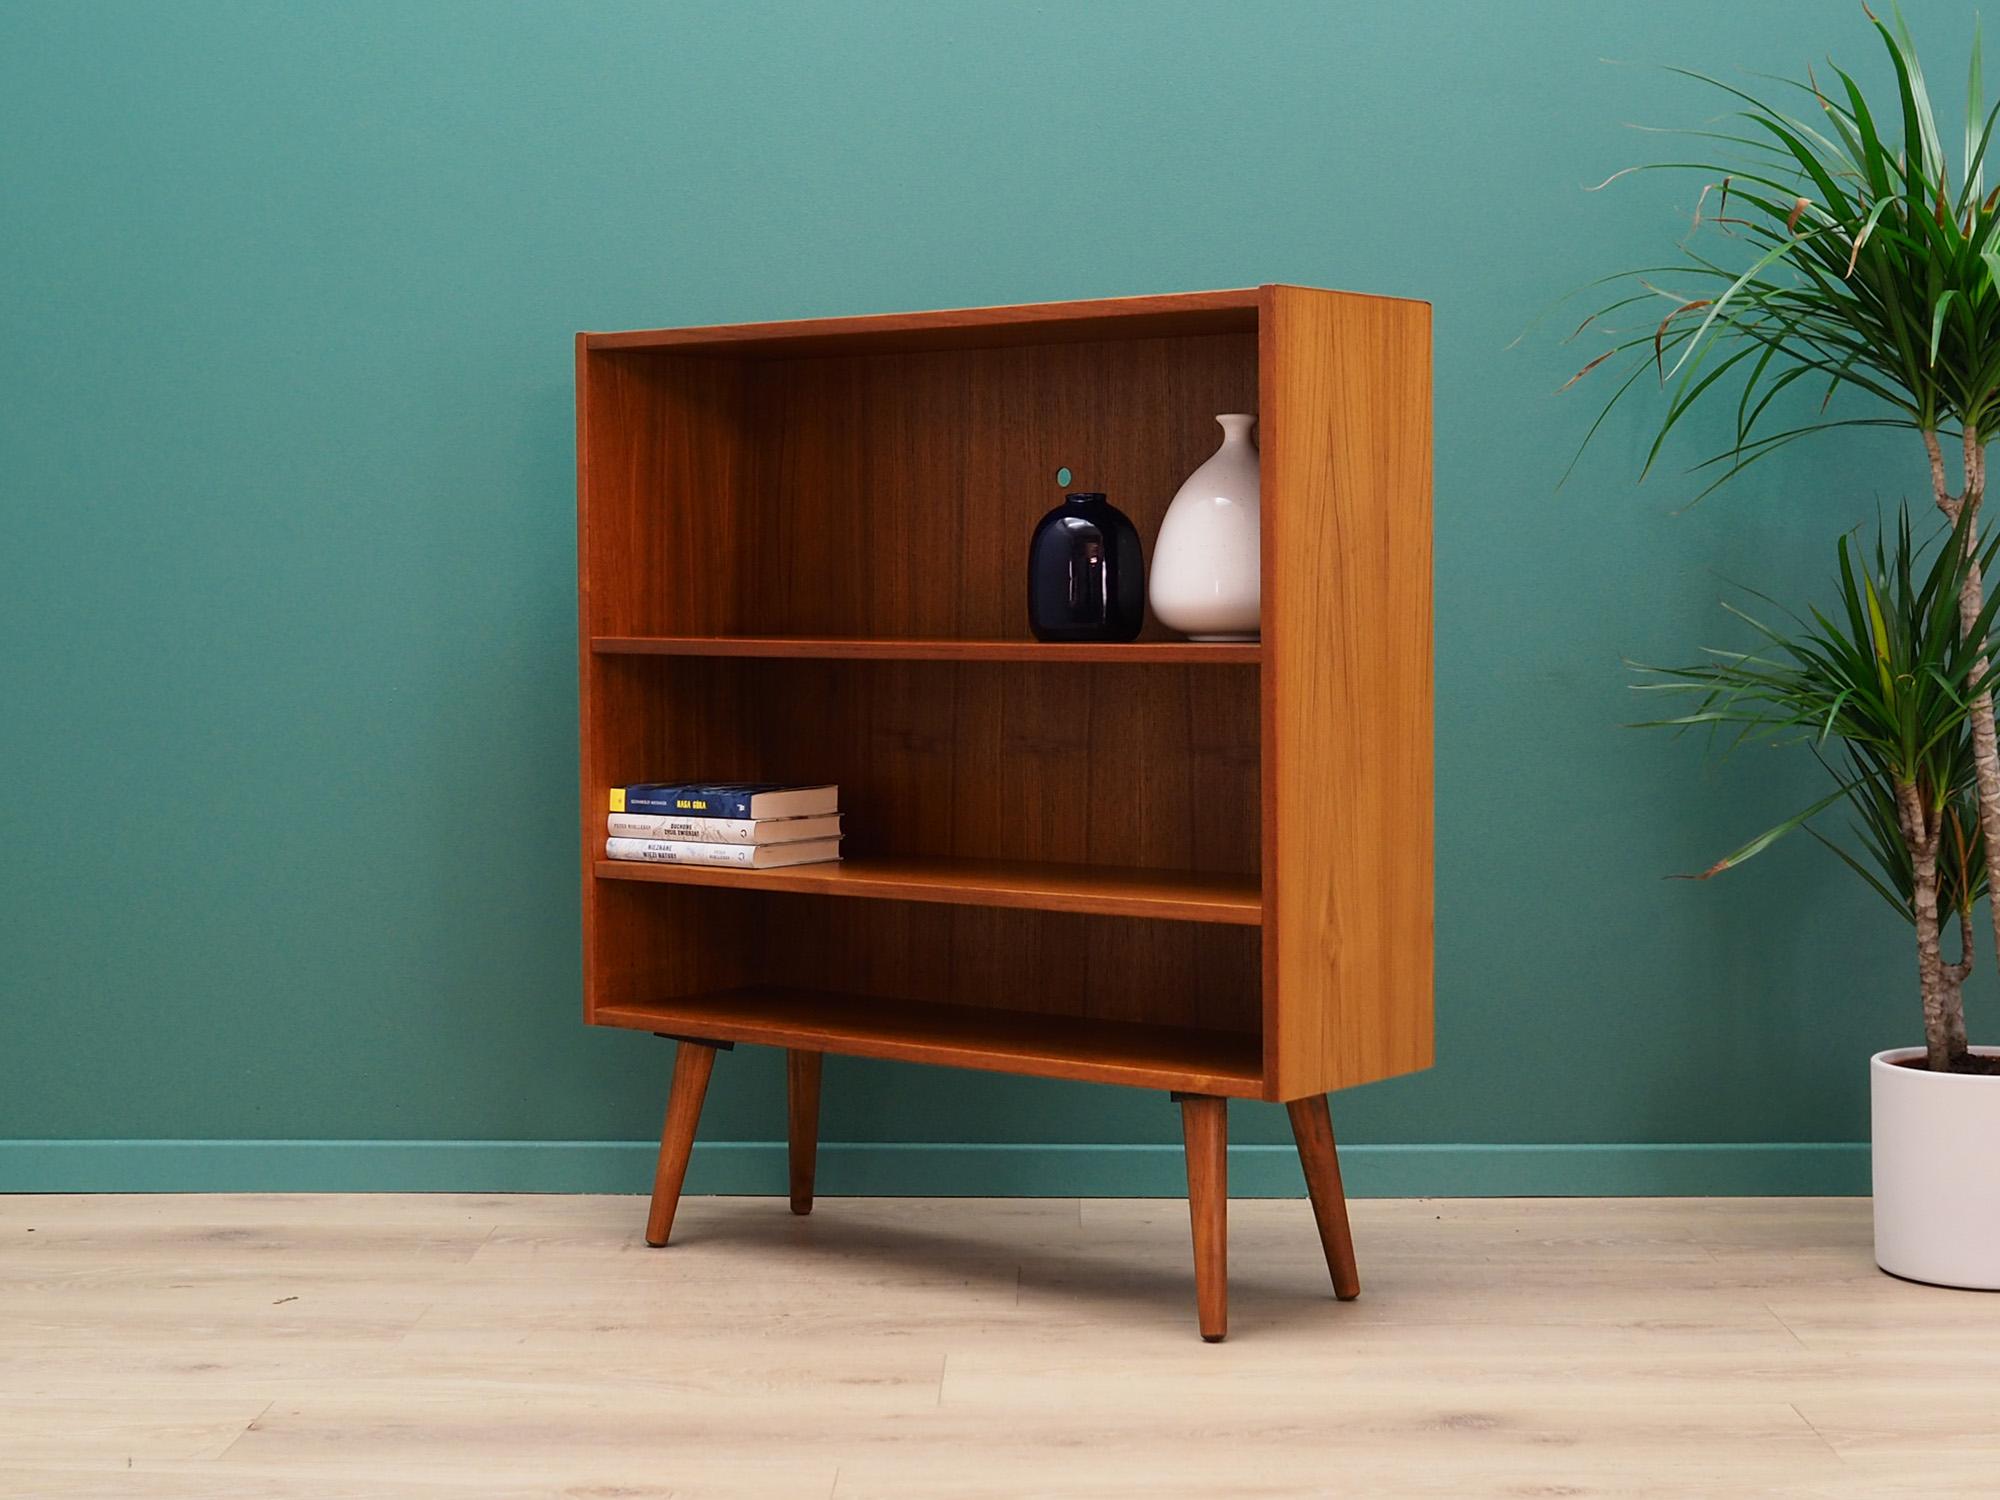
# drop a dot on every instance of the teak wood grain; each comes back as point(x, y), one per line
point(1312, 1130)
point(693, 1063)
point(1205, 1133)
point(1346, 443)
point(1174, 895)
point(1232, 311)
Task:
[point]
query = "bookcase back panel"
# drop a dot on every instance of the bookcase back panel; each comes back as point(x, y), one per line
point(895, 494)
point(1148, 766)
point(1048, 963)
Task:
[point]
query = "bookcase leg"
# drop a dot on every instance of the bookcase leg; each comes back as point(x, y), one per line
point(802, 1110)
point(1312, 1128)
point(1205, 1130)
point(693, 1062)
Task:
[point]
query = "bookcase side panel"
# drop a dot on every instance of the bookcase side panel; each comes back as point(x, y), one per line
point(1347, 679)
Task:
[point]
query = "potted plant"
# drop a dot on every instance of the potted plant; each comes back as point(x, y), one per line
point(1838, 251)
point(1880, 688)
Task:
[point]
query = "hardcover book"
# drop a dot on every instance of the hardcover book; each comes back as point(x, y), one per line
point(752, 800)
point(721, 830)
point(742, 856)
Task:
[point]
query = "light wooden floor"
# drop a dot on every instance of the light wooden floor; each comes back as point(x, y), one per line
point(249, 1348)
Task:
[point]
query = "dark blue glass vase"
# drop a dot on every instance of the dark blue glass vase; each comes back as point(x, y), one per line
point(1086, 574)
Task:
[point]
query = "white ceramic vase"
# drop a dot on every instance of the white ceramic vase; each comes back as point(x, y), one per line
point(1937, 1171)
point(1204, 580)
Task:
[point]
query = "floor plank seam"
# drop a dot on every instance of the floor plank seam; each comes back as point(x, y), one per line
point(1818, 1434)
point(1786, 1326)
point(248, 1426)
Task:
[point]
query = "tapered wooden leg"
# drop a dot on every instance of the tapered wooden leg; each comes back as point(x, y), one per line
point(802, 1110)
point(693, 1062)
point(1205, 1129)
point(1312, 1128)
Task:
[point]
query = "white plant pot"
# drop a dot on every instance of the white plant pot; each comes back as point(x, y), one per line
point(1937, 1171)
point(1204, 581)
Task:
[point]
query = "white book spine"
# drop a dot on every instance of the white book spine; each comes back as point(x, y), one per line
point(680, 852)
point(692, 830)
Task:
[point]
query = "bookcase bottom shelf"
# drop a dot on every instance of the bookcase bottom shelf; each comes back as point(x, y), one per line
point(1047, 1046)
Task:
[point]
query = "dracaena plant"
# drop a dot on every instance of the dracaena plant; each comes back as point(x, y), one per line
point(1838, 248)
point(1880, 688)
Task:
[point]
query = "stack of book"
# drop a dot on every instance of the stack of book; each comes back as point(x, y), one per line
point(747, 824)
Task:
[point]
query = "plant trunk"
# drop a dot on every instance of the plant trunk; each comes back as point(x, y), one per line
point(1931, 982)
point(1985, 743)
point(1955, 976)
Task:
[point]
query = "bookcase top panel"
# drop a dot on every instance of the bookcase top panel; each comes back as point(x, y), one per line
point(1167, 316)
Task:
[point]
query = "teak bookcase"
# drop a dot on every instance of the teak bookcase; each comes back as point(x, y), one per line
point(1204, 868)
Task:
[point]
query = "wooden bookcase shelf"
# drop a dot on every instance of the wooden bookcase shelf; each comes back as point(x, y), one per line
point(1172, 895)
point(865, 648)
point(801, 557)
point(963, 1036)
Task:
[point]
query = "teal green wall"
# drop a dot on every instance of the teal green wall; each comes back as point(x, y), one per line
point(287, 662)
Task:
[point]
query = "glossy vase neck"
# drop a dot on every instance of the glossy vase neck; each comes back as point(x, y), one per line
point(1236, 427)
